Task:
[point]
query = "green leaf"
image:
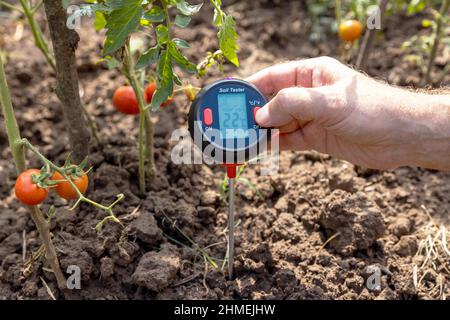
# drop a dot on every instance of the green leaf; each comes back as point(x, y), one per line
point(182, 21)
point(162, 34)
point(123, 20)
point(155, 14)
point(164, 80)
point(181, 43)
point(188, 9)
point(180, 59)
point(416, 6)
point(100, 21)
point(148, 58)
point(227, 40)
point(111, 62)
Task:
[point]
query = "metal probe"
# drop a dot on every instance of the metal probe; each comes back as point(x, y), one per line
point(230, 227)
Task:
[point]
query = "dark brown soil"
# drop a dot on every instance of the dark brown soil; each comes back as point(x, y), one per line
point(369, 218)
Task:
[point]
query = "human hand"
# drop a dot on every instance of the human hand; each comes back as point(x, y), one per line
point(324, 105)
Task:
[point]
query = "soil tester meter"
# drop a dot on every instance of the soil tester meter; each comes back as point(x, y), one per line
point(222, 124)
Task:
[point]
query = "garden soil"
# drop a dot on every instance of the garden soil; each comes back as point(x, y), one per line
point(319, 229)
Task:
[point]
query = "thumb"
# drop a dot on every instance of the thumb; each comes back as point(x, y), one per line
point(298, 103)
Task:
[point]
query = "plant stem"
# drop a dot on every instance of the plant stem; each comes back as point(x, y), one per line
point(214, 4)
point(149, 154)
point(338, 12)
point(437, 40)
point(9, 6)
point(37, 6)
point(37, 34)
point(65, 42)
point(167, 16)
point(12, 130)
point(50, 253)
point(141, 150)
point(145, 147)
point(42, 45)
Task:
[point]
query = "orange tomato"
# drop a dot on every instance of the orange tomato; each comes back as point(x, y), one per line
point(350, 30)
point(124, 100)
point(27, 191)
point(65, 190)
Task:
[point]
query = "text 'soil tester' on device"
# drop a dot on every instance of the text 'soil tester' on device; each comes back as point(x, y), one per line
point(222, 124)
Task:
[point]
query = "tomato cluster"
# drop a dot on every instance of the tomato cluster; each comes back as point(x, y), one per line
point(30, 191)
point(125, 101)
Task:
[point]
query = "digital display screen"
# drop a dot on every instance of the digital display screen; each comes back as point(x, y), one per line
point(233, 115)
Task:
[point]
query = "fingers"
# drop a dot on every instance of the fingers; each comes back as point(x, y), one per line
point(272, 79)
point(290, 127)
point(291, 141)
point(306, 73)
point(309, 137)
point(297, 104)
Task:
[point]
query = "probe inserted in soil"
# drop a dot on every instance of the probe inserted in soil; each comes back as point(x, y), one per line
point(231, 173)
point(231, 228)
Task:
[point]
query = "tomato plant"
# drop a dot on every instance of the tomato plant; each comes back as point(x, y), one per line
point(29, 189)
point(33, 185)
point(122, 19)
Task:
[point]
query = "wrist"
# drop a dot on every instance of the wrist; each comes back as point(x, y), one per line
point(431, 118)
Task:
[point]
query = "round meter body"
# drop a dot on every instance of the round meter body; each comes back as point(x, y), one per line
point(222, 121)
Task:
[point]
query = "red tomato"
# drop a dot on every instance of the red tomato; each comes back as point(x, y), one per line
point(125, 100)
point(150, 90)
point(65, 190)
point(168, 101)
point(27, 191)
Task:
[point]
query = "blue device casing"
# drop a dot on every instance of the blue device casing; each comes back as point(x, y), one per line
point(204, 121)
